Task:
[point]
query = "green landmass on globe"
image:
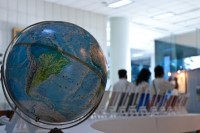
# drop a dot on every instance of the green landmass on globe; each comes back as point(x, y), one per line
point(48, 65)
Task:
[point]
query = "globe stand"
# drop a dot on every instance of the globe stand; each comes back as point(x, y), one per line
point(55, 130)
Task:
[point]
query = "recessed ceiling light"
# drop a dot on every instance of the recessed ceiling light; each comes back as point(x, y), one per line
point(119, 3)
point(164, 15)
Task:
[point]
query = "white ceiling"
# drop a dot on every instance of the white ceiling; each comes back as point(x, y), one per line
point(141, 12)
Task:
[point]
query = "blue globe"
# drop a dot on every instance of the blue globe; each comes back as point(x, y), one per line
point(55, 73)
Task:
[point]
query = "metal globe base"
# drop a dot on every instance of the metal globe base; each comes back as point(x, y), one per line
point(55, 130)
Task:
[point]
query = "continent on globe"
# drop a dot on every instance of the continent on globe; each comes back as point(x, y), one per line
point(48, 64)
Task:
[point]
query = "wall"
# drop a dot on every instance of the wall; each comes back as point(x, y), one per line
point(193, 83)
point(191, 39)
point(21, 13)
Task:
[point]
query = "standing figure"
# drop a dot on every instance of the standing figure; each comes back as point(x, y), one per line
point(142, 81)
point(123, 85)
point(159, 85)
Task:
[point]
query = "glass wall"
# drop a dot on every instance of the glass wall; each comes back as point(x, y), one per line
point(174, 52)
point(180, 56)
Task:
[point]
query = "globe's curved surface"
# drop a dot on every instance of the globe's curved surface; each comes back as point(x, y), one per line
point(55, 72)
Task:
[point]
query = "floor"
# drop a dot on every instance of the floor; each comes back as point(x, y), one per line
point(21, 127)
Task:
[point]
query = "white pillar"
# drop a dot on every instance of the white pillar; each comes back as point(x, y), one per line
point(119, 47)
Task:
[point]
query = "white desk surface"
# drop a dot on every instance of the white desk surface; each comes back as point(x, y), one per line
point(150, 124)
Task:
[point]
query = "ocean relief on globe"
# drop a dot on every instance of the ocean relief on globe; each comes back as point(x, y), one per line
point(55, 72)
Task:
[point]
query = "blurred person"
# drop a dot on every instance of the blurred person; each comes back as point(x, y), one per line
point(174, 81)
point(123, 85)
point(159, 85)
point(142, 81)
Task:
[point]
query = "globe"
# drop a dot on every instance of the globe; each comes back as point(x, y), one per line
point(54, 73)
